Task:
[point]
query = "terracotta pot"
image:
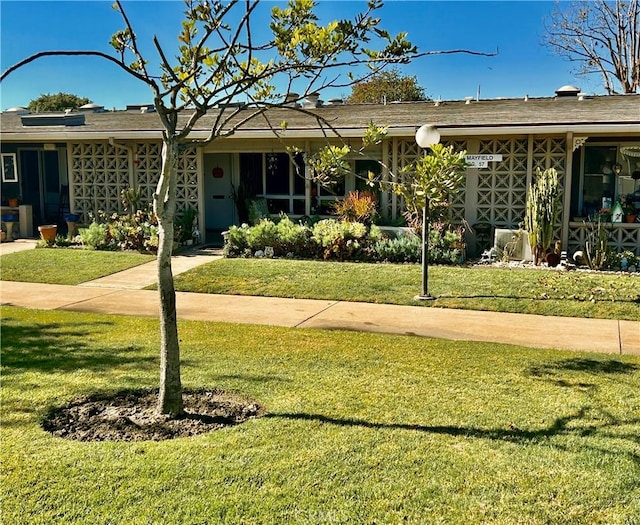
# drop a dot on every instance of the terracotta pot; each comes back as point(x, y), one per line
point(630, 218)
point(13, 202)
point(48, 232)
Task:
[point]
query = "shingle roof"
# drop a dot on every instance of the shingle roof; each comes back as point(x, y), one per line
point(559, 112)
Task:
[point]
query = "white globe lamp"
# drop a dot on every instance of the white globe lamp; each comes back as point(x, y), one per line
point(427, 136)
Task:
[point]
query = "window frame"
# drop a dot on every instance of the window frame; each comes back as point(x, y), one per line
point(618, 191)
point(13, 177)
point(291, 197)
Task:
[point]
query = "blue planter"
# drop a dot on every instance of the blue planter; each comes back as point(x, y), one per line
point(10, 217)
point(72, 217)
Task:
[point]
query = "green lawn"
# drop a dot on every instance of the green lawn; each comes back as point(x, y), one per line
point(66, 266)
point(574, 294)
point(359, 428)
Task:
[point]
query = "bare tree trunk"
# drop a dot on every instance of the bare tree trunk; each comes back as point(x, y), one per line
point(170, 396)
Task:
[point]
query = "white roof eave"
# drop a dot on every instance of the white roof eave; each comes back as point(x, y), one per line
point(301, 134)
point(71, 136)
point(448, 131)
point(547, 129)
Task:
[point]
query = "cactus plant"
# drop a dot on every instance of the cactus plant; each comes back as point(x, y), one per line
point(543, 205)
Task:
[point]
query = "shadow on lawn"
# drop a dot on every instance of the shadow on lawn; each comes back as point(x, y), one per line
point(590, 420)
point(510, 433)
point(559, 373)
point(580, 364)
point(60, 347)
point(562, 426)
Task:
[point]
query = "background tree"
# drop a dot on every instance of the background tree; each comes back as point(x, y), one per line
point(56, 102)
point(219, 61)
point(428, 188)
point(603, 37)
point(387, 86)
point(434, 180)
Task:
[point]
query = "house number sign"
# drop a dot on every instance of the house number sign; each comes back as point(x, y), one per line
point(482, 161)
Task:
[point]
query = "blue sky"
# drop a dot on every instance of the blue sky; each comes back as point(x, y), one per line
point(524, 65)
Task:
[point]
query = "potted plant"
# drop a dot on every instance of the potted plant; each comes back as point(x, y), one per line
point(185, 226)
point(629, 214)
point(629, 209)
point(48, 232)
point(72, 220)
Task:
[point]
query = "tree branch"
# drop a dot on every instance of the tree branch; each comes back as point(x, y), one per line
point(100, 54)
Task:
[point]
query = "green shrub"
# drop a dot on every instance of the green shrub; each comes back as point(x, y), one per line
point(402, 249)
point(340, 240)
point(623, 260)
point(95, 236)
point(236, 244)
point(137, 231)
point(293, 238)
point(184, 225)
point(263, 234)
point(62, 241)
point(446, 246)
point(332, 239)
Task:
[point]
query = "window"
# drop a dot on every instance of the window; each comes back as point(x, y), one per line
point(281, 182)
point(598, 189)
point(606, 176)
point(9, 168)
point(324, 198)
point(276, 178)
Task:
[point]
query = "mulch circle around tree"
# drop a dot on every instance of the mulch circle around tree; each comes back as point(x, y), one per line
point(130, 416)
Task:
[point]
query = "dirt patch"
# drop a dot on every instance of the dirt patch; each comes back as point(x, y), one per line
point(130, 416)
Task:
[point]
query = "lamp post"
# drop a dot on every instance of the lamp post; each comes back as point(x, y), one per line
point(426, 137)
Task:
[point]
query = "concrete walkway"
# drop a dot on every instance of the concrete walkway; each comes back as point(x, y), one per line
point(18, 245)
point(122, 294)
point(145, 275)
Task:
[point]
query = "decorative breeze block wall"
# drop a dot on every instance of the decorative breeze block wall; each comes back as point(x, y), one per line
point(100, 171)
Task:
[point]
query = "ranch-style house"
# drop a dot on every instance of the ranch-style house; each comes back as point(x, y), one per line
point(81, 161)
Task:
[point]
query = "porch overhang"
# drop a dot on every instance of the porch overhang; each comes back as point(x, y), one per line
point(65, 135)
point(70, 136)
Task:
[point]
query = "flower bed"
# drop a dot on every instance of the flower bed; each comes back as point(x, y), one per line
point(341, 240)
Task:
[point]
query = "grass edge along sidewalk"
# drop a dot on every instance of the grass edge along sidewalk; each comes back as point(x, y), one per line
point(533, 291)
point(595, 335)
point(544, 292)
